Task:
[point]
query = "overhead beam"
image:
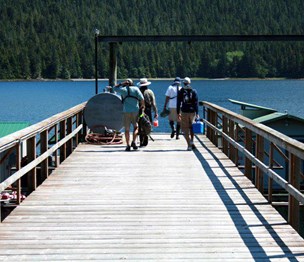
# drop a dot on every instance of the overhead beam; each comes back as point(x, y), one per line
point(176, 38)
point(199, 38)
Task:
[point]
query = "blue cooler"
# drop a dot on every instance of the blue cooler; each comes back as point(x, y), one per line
point(198, 127)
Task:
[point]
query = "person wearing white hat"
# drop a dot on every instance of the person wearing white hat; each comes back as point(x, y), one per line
point(187, 110)
point(171, 95)
point(150, 105)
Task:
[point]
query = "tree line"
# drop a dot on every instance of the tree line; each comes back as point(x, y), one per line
point(55, 39)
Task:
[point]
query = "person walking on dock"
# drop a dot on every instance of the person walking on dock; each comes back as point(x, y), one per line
point(187, 110)
point(150, 105)
point(133, 100)
point(171, 101)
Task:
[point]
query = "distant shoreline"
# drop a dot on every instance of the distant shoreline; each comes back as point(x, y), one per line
point(153, 79)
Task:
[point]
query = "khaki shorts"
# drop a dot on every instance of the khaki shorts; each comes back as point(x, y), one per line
point(130, 118)
point(187, 120)
point(173, 115)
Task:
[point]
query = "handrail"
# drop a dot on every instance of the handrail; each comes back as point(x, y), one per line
point(19, 136)
point(66, 126)
point(229, 138)
point(291, 145)
point(282, 182)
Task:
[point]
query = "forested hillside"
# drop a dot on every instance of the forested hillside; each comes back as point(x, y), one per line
point(55, 39)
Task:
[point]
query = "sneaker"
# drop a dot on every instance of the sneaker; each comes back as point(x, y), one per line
point(128, 148)
point(135, 147)
point(177, 137)
point(189, 148)
point(172, 134)
point(192, 145)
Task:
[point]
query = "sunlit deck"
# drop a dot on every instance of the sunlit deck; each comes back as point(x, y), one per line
point(160, 203)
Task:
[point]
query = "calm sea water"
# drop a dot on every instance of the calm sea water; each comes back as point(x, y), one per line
point(36, 101)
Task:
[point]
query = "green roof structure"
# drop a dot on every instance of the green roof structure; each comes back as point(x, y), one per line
point(285, 123)
point(253, 111)
point(7, 128)
point(277, 116)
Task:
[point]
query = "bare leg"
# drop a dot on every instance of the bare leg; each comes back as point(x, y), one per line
point(127, 135)
point(191, 134)
point(135, 133)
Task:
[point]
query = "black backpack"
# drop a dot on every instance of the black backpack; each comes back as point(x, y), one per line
point(188, 96)
point(144, 124)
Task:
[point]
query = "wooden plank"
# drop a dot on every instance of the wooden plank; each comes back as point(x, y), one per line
point(104, 203)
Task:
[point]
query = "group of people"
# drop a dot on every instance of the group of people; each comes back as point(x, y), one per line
point(181, 101)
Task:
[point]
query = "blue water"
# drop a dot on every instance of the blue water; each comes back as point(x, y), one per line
point(36, 101)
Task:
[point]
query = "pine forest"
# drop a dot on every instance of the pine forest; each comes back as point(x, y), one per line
point(51, 39)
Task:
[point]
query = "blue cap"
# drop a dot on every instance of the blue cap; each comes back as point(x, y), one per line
point(177, 80)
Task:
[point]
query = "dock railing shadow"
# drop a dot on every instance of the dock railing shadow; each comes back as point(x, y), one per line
point(243, 228)
point(242, 139)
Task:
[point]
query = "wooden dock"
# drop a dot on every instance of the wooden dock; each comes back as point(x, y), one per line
point(160, 203)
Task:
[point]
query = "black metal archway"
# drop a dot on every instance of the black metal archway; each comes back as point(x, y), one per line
point(114, 40)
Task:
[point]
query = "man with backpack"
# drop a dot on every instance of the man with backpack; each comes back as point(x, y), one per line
point(187, 110)
point(133, 100)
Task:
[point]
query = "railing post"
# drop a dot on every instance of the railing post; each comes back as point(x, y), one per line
point(69, 147)
point(208, 129)
point(63, 154)
point(248, 146)
point(43, 148)
point(56, 151)
point(231, 135)
point(18, 167)
point(270, 180)
point(215, 134)
point(77, 124)
point(236, 138)
point(225, 130)
point(31, 155)
point(259, 179)
point(294, 180)
point(84, 127)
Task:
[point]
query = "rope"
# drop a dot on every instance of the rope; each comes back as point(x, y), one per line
point(104, 139)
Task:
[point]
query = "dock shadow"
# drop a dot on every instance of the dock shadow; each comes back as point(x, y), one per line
point(253, 245)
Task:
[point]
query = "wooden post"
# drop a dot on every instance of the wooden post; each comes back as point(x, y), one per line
point(84, 127)
point(77, 124)
point(270, 180)
point(31, 155)
point(44, 148)
point(248, 146)
point(260, 155)
point(113, 64)
point(236, 138)
point(69, 147)
point(225, 130)
point(56, 141)
point(294, 180)
point(18, 167)
point(63, 154)
point(208, 129)
point(231, 147)
point(215, 135)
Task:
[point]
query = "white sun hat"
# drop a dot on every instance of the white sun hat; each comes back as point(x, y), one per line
point(187, 80)
point(143, 82)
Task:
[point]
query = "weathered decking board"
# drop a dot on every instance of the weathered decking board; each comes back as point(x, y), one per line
point(161, 203)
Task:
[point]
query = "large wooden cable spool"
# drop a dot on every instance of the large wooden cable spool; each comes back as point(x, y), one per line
point(103, 116)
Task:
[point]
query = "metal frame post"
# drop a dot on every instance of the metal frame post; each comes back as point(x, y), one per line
point(96, 60)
